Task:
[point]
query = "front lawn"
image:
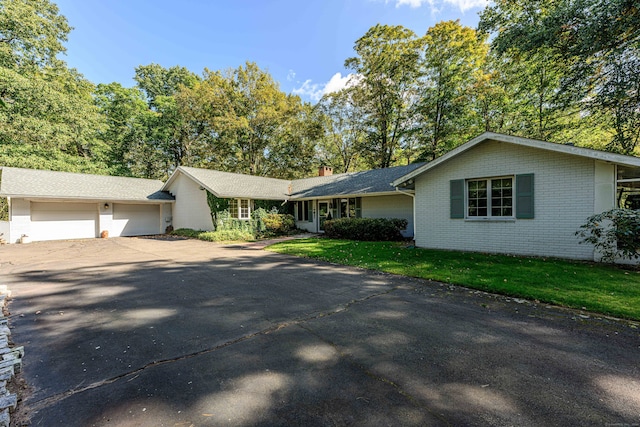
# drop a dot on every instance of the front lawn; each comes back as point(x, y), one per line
point(595, 287)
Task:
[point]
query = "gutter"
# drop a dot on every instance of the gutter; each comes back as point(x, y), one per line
point(413, 196)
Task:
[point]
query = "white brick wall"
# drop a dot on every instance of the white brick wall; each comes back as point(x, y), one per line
point(563, 200)
point(190, 209)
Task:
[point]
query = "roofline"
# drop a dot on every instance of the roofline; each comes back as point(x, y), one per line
point(339, 196)
point(605, 156)
point(34, 197)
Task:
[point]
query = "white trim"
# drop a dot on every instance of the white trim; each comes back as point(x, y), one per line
point(533, 143)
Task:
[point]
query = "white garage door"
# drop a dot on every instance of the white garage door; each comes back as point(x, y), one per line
point(135, 220)
point(59, 221)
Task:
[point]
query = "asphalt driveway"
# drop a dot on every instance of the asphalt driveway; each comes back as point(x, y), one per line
point(147, 332)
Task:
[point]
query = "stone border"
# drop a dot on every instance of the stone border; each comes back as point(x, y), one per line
point(10, 363)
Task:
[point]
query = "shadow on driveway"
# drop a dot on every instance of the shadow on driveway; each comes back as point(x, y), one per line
point(177, 333)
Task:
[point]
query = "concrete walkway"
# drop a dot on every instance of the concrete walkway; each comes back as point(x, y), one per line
point(150, 332)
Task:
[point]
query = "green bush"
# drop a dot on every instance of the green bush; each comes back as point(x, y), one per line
point(279, 224)
point(369, 229)
point(614, 233)
point(222, 235)
point(186, 232)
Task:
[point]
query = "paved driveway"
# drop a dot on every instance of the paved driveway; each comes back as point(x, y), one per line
point(144, 332)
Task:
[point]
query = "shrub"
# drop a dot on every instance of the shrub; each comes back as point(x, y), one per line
point(370, 229)
point(222, 235)
point(614, 233)
point(279, 224)
point(186, 232)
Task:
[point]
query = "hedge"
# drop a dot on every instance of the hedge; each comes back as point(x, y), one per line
point(369, 229)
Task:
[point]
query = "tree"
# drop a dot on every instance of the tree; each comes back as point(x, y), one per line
point(49, 118)
point(344, 132)
point(387, 69)
point(600, 44)
point(453, 58)
point(32, 33)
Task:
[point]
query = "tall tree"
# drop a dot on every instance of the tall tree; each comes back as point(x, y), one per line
point(600, 43)
point(48, 115)
point(344, 132)
point(387, 69)
point(453, 58)
point(160, 86)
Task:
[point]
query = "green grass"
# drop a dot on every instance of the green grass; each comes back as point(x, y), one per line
point(605, 289)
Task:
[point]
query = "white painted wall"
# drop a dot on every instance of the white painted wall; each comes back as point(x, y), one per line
point(392, 206)
point(190, 209)
point(564, 197)
point(605, 187)
point(5, 229)
point(20, 216)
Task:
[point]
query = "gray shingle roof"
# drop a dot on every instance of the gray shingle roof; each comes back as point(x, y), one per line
point(17, 182)
point(232, 185)
point(352, 183)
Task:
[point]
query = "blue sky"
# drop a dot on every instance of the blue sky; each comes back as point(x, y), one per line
point(302, 43)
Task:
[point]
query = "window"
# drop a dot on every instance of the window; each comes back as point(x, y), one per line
point(490, 197)
point(239, 208)
point(303, 211)
point(350, 208)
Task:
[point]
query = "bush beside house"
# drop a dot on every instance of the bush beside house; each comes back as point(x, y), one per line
point(367, 229)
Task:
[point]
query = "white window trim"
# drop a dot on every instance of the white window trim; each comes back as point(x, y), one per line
point(490, 217)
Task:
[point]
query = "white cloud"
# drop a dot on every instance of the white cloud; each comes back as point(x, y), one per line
point(315, 91)
point(310, 90)
point(291, 76)
point(413, 3)
point(463, 5)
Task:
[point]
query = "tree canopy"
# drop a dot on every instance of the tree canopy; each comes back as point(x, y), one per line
point(557, 70)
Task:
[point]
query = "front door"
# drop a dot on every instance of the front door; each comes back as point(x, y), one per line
point(323, 213)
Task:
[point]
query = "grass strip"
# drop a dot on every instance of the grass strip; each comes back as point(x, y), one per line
point(600, 288)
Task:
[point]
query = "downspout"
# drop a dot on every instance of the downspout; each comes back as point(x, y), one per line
point(413, 197)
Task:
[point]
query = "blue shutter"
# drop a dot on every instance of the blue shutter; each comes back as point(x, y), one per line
point(457, 198)
point(524, 196)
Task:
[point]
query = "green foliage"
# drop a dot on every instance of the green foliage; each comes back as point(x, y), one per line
point(344, 133)
point(598, 287)
point(216, 206)
point(187, 232)
point(453, 58)
point(4, 209)
point(276, 224)
point(387, 66)
point(595, 46)
point(231, 234)
point(32, 33)
point(368, 229)
point(25, 156)
point(614, 233)
point(226, 235)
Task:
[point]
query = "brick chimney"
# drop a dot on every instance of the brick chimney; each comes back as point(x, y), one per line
point(325, 171)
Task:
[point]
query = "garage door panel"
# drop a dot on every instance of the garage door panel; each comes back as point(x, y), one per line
point(58, 221)
point(135, 220)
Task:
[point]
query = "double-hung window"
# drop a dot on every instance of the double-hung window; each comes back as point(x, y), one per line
point(491, 197)
point(303, 211)
point(240, 208)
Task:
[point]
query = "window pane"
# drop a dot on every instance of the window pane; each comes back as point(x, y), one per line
point(501, 197)
point(477, 198)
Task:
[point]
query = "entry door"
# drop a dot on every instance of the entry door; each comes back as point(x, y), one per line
point(323, 213)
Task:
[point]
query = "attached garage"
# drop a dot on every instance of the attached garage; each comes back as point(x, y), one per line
point(136, 220)
point(48, 205)
point(56, 221)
